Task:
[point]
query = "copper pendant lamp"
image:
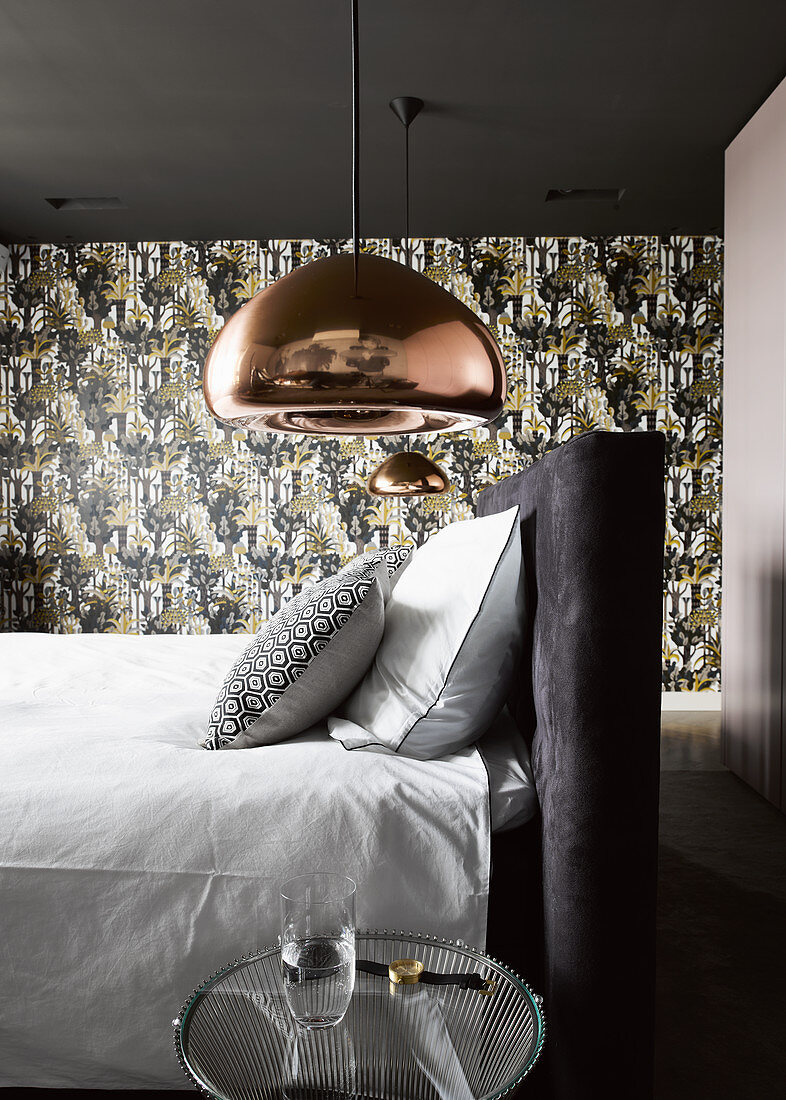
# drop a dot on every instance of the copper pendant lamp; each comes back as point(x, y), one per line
point(355, 345)
point(407, 474)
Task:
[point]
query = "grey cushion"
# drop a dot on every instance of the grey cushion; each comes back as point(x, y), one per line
point(307, 658)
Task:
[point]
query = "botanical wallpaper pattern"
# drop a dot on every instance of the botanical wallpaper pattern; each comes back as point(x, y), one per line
point(127, 507)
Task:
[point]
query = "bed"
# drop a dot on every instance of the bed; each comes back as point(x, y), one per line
point(120, 891)
point(573, 894)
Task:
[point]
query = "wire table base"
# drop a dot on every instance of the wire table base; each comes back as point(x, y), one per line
point(235, 1038)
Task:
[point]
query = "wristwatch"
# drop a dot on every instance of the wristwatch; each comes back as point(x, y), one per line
point(411, 971)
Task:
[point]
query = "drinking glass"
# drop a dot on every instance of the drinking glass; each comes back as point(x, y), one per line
point(321, 1065)
point(318, 947)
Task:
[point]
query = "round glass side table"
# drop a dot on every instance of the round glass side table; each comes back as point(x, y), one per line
point(474, 1039)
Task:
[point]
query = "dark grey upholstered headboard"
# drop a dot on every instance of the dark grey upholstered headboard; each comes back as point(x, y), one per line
point(588, 702)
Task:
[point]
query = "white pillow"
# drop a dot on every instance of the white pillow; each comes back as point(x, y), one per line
point(453, 628)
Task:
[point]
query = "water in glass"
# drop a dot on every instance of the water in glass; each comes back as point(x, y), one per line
point(319, 976)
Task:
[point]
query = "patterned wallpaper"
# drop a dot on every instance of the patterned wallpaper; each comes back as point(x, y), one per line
point(126, 507)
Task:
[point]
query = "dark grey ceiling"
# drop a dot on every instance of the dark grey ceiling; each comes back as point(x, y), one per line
point(230, 118)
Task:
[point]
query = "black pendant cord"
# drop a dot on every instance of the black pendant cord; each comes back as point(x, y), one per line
point(407, 245)
point(355, 143)
point(406, 108)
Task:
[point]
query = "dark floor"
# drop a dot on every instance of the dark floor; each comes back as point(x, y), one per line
point(690, 741)
point(721, 924)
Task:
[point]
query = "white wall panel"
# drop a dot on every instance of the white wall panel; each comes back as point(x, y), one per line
point(754, 450)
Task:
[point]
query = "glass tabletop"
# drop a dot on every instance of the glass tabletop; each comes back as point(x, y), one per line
point(236, 1040)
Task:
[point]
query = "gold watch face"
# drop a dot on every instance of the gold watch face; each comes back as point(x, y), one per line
point(405, 970)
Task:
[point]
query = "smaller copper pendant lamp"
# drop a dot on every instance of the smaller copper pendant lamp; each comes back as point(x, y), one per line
point(407, 474)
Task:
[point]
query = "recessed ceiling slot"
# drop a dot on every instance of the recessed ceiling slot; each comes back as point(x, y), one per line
point(89, 202)
point(585, 194)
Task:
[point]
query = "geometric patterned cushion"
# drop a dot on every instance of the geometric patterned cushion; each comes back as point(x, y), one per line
point(307, 658)
point(393, 558)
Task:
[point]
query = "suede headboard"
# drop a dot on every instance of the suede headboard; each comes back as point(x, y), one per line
point(588, 702)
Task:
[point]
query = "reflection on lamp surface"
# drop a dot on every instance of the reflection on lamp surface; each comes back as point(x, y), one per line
point(307, 355)
point(407, 474)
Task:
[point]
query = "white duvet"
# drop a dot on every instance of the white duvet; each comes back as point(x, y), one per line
point(133, 863)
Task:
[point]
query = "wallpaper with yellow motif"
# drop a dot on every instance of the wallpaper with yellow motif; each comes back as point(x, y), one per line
point(127, 507)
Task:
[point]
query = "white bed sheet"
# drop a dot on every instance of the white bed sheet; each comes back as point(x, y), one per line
point(512, 794)
point(133, 863)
